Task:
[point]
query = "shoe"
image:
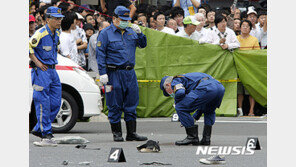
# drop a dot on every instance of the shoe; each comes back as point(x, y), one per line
point(131, 135)
point(116, 131)
point(216, 159)
point(45, 143)
point(240, 112)
point(49, 136)
point(192, 137)
point(206, 136)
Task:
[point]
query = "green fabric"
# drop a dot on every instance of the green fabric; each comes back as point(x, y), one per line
point(171, 55)
point(251, 67)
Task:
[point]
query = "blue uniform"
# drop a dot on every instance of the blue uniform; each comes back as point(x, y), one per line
point(46, 84)
point(199, 92)
point(117, 48)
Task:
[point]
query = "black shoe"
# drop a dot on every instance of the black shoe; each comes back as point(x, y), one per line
point(38, 134)
point(116, 131)
point(192, 137)
point(49, 136)
point(206, 137)
point(131, 135)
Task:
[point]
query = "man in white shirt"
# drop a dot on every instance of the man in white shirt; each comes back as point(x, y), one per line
point(252, 17)
point(160, 21)
point(262, 25)
point(189, 28)
point(200, 30)
point(222, 35)
point(67, 45)
point(177, 13)
point(173, 25)
point(81, 42)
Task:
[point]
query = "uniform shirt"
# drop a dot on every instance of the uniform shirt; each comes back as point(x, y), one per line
point(115, 47)
point(68, 46)
point(250, 43)
point(193, 36)
point(80, 33)
point(187, 6)
point(167, 30)
point(188, 81)
point(231, 40)
point(44, 45)
point(92, 61)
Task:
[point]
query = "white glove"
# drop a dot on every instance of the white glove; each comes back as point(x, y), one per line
point(104, 79)
point(136, 28)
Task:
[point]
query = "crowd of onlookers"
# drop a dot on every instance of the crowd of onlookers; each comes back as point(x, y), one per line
point(229, 28)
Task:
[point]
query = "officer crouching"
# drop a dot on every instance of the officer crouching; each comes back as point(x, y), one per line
point(115, 53)
point(191, 92)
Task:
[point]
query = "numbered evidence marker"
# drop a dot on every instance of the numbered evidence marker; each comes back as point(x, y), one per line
point(116, 155)
point(253, 143)
point(175, 117)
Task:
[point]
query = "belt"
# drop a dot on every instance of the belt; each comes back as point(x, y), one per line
point(114, 67)
point(205, 78)
point(50, 66)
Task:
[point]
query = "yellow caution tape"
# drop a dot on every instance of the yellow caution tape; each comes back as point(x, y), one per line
point(220, 80)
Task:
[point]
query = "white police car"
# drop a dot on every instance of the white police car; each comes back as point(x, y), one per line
point(81, 96)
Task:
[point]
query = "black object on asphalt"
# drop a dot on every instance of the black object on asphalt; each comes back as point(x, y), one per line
point(149, 146)
point(83, 146)
point(155, 163)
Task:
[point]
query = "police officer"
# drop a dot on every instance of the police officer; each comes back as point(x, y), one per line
point(194, 91)
point(115, 53)
point(45, 80)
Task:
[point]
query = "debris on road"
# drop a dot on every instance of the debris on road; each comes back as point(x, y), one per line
point(149, 147)
point(71, 140)
point(155, 163)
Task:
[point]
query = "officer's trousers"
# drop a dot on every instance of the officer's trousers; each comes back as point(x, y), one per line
point(205, 99)
point(47, 96)
point(124, 96)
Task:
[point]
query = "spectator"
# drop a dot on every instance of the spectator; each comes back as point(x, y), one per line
point(89, 30)
point(160, 21)
point(32, 25)
point(151, 10)
point(84, 10)
point(189, 6)
point(68, 47)
point(142, 20)
point(177, 14)
point(152, 23)
point(110, 6)
point(64, 6)
point(262, 25)
point(236, 26)
point(203, 11)
point(89, 19)
point(211, 19)
point(222, 35)
point(92, 60)
point(237, 14)
point(32, 8)
point(80, 20)
point(189, 28)
point(173, 25)
point(201, 32)
point(252, 17)
point(247, 42)
point(81, 42)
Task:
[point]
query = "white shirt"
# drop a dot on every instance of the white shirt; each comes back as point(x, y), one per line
point(256, 32)
point(168, 30)
point(263, 36)
point(68, 46)
point(80, 33)
point(202, 34)
point(231, 40)
point(193, 36)
point(92, 58)
point(180, 28)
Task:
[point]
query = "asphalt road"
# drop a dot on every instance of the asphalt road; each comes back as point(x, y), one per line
point(226, 132)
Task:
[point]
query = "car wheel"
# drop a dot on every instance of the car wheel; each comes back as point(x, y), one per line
point(68, 114)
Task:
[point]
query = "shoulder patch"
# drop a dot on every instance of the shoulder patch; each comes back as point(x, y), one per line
point(99, 43)
point(34, 41)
